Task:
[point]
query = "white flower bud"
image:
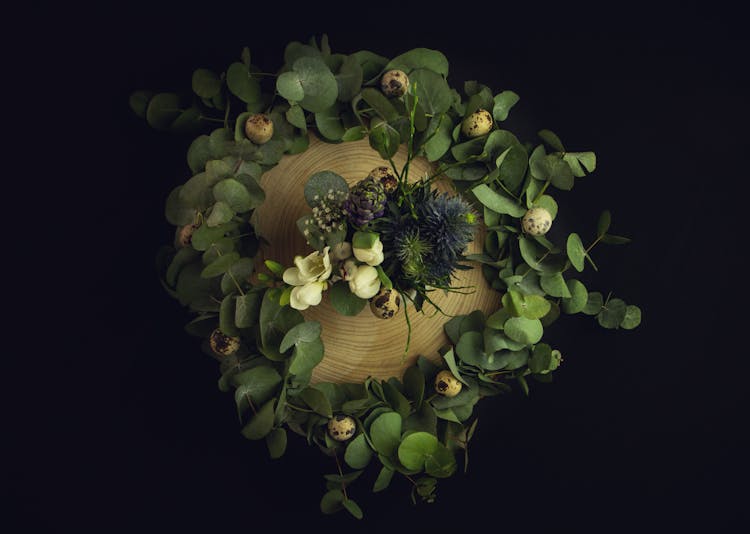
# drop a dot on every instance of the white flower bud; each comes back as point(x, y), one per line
point(365, 282)
point(371, 256)
point(303, 297)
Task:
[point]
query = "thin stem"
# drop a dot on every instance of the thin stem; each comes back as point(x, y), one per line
point(540, 193)
point(298, 408)
point(593, 244)
point(226, 114)
point(250, 402)
point(211, 119)
point(229, 272)
point(341, 473)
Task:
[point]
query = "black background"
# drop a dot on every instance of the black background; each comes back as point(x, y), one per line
point(123, 428)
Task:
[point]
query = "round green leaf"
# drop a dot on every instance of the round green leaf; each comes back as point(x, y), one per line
point(234, 194)
point(289, 86)
point(548, 203)
point(385, 433)
point(344, 301)
point(594, 303)
point(199, 153)
point(329, 123)
point(523, 330)
point(554, 284)
point(420, 58)
point(316, 81)
point(632, 317)
point(323, 183)
point(358, 453)
point(576, 251)
point(139, 102)
point(301, 333)
point(177, 211)
point(307, 354)
point(498, 202)
point(242, 84)
point(206, 84)
point(415, 449)
point(332, 501)
point(220, 265)
point(432, 91)
point(612, 314)
point(578, 299)
point(349, 78)
point(261, 423)
point(503, 102)
point(247, 307)
point(240, 272)
point(276, 442)
point(220, 213)
point(162, 110)
point(441, 463)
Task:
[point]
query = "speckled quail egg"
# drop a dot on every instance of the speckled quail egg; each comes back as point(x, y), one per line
point(446, 384)
point(184, 235)
point(394, 83)
point(537, 221)
point(341, 427)
point(476, 124)
point(259, 128)
point(386, 303)
point(222, 344)
point(385, 176)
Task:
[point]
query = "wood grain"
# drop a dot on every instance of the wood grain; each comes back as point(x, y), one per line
point(360, 346)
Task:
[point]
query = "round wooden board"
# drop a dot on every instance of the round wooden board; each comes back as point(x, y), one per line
point(363, 345)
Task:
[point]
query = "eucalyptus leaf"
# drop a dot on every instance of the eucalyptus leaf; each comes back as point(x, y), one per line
point(317, 401)
point(554, 284)
point(206, 84)
point(385, 433)
point(432, 91)
point(163, 109)
point(220, 265)
point(503, 103)
point(578, 297)
point(415, 449)
point(323, 183)
point(262, 422)
point(594, 303)
point(305, 332)
point(498, 202)
point(243, 84)
point(613, 313)
point(276, 442)
point(384, 479)
point(426, 58)
point(526, 331)
point(306, 355)
point(632, 317)
point(576, 251)
point(358, 453)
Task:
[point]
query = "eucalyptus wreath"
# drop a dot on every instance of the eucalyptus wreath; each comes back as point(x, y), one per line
point(242, 307)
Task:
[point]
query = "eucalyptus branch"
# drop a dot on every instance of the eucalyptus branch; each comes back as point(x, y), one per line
point(341, 474)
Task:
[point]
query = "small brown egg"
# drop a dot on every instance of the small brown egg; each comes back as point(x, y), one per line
point(259, 128)
point(386, 303)
point(394, 83)
point(184, 235)
point(341, 427)
point(537, 221)
point(446, 384)
point(385, 176)
point(476, 124)
point(222, 344)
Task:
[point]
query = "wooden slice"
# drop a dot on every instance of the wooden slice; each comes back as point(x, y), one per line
point(360, 346)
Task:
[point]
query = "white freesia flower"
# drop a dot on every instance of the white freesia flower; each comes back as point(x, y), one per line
point(371, 256)
point(364, 282)
point(310, 294)
point(315, 267)
point(309, 278)
point(341, 251)
point(348, 268)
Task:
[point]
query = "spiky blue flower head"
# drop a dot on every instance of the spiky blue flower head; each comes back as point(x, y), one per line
point(447, 223)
